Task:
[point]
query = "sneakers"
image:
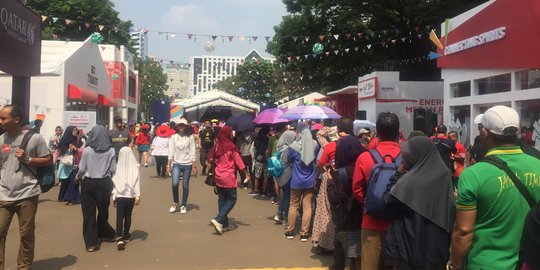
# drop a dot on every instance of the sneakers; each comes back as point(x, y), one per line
point(277, 218)
point(304, 237)
point(183, 209)
point(93, 248)
point(120, 245)
point(173, 208)
point(288, 235)
point(217, 226)
point(253, 193)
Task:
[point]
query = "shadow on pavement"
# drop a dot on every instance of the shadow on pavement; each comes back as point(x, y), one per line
point(190, 207)
point(55, 263)
point(44, 200)
point(139, 235)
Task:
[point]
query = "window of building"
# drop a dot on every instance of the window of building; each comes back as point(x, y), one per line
point(460, 89)
point(495, 84)
point(528, 79)
point(132, 88)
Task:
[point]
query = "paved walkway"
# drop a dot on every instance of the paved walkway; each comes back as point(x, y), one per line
point(168, 241)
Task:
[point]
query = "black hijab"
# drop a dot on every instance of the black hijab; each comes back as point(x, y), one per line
point(427, 187)
point(347, 150)
point(99, 139)
point(68, 139)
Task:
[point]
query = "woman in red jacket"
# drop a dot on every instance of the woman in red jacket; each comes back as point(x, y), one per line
point(227, 159)
point(143, 144)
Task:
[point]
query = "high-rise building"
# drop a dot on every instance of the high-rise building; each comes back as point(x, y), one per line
point(139, 41)
point(177, 80)
point(207, 70)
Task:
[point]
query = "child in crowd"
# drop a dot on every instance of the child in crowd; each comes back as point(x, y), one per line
point(126, 194)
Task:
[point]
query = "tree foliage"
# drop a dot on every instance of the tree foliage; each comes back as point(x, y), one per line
point(95, 12)
point(380, 21)
point(255, 81)
point(154, 84)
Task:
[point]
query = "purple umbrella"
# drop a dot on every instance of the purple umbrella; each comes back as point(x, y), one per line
point(310, 112)
point(270, 116)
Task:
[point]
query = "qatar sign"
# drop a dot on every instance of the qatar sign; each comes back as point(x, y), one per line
point(20, 35)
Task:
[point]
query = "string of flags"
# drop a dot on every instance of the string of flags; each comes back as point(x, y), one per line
point(366, 34)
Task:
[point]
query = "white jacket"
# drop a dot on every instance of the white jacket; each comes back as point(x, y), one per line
point(182, 150)
point(160, 146)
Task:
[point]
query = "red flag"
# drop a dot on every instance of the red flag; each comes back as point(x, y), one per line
point(321, 37)
point(68, 21)
point(348, 36)
point(289, 58)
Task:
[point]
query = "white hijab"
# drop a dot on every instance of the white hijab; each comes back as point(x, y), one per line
point(127, 171)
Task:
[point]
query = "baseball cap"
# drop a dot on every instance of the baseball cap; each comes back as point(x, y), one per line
point(501, 120)
point(363, 131)
point(478, 119)
point(182, 122)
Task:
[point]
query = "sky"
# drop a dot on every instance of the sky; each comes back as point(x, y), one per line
point(211, 17)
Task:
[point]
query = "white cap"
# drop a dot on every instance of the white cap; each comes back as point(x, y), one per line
point(363, 131)
point(478, 119)
point(182, 121)
point(499, 118)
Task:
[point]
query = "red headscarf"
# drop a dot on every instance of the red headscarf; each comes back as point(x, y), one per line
point(223, 143)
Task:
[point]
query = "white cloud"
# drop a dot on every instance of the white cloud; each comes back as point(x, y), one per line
point(191, 19)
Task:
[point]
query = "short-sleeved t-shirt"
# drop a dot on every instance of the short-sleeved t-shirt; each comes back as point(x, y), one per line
point(119, 138)
point(328, 154)
point(16, 181)
point(501, 209)
point(207, 138)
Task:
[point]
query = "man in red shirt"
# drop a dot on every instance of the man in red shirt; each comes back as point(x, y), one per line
point(458, 158)
point(374, 229)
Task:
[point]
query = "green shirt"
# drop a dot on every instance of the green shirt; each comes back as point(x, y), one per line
point(501, 209)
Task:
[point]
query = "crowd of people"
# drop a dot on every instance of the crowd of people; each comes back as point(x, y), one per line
point(371, 198)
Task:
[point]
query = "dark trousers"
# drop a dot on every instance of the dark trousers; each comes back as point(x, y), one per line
point(226, 201)
point(203, 158)
point(285, 200)
point(96, 195)
point(161, 165)
point(248, 161)
point(124, 208)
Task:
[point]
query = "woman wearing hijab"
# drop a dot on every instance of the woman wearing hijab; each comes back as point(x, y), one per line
point(347, 220)
point(420, 196)
point(126, 194)
point(227, 159)
point(181, 159)
point(98, 165)
point(301, 158)
point(284, 180)
point(69, 145)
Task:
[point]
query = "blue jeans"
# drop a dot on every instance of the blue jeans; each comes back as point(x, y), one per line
point(285, 200)
point(185, 170)
point(226, 202)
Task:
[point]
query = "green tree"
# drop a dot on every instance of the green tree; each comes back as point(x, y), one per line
point(382, 23)
point(255, 81)
point(95, 12)
point(154, 84)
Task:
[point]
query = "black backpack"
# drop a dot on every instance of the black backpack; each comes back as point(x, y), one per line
point(44, 174)
point(530, 238)
point(346, 211)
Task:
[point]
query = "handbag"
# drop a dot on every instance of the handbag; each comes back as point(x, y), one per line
point(67, 159)
point(210, 177)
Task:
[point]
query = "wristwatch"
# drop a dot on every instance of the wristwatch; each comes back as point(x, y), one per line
point(27, 160)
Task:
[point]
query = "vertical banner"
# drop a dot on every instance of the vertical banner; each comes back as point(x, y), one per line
point(161, 111)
